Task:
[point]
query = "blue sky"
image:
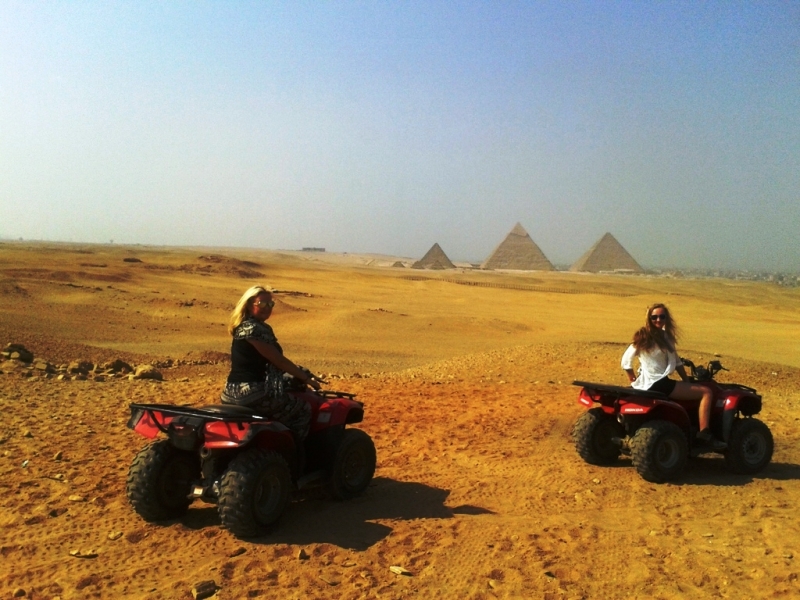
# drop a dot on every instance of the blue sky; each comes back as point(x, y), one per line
point(388, 126)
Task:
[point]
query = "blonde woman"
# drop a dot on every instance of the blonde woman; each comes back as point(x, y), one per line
point(258, 364)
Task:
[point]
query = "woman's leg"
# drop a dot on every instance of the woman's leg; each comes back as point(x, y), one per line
point(692, 391)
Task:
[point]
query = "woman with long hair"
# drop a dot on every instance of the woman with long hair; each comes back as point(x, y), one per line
point(654, 346)
point(258, 364)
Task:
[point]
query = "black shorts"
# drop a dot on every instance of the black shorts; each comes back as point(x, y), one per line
point(665, 386)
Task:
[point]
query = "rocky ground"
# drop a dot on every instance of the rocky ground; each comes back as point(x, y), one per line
point(478, 493)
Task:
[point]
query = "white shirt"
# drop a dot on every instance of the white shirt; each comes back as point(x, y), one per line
point(653, 365)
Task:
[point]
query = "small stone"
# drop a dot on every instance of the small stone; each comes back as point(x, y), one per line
point(115, 535)
point(788, 555)
point(329, 581)
point(58, 455)
point(83, 553)
point(708, 535)
point(494, 584)
point(399, 570)
point(550, 574)
point(596, 480)
point(204, 589)
point(76, 498)
point(58, 476)
point(238, 552)
point(27, 434)
point(25, 463)
point(303, 555)
point(20, 593)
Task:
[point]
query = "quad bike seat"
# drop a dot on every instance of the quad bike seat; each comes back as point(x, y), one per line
point(620, 390)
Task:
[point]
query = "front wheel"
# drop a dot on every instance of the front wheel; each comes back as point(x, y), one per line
point(353, 466)
point(659, 451)
point(750, 446)
point(254, 492)
point(594, 434)
point(160, 481)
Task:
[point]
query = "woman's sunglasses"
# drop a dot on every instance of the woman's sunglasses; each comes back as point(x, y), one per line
point(661, 317)
point(269, 303)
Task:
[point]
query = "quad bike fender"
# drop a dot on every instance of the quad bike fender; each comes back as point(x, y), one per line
point(657, 409)
point(226, 434)
point(149, 423)
point(739, 400)
point(337, 411)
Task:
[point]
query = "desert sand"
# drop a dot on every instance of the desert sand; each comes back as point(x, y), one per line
point(466, 376)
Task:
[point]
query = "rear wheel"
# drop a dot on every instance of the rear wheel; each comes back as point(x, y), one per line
point(659, 451)
point(160, 481)
point(594, 434)
point(254, 492)
point(353, 466)
point(750, 446)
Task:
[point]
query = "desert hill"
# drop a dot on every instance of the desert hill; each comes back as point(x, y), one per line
point(466, 376)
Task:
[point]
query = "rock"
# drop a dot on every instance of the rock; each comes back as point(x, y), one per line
point(18, 352)
point(58, 455)
point(25, 463)
point(27, 434)
point(147, 372)
point(204, 589)
point(20, 593)
point(83, 553)
point(81, 367)
point(118, 366)
point(303, 555)
point(76, 498)
point(115, 535)
point(100, 378)
point(238, 552)
point(41, 365)
point(399, 570)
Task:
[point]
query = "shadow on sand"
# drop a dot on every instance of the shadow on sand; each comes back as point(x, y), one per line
point(314, 518)
point(706, 470)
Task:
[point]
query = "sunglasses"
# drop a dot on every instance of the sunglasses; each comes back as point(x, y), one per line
point(269, 303)
point(657, 317)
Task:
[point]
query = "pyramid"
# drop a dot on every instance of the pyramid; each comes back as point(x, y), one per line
point(519, 252)
point(434, 259)
point(398, 263)
point(606, 255)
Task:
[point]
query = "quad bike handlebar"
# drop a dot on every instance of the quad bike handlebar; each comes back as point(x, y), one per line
point(701, 373)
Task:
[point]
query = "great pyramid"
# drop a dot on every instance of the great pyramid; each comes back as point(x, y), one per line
point(519, 252)
point(435, 258)
point(606, 255)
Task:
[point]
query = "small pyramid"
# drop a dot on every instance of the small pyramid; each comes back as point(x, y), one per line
point(518, 252)
point(606, 255)
point(435, 258)
point(398, 263)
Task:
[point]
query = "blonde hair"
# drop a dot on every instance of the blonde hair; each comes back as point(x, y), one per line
point(239, 313)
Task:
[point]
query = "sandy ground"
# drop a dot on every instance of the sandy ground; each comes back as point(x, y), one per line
point(478, 493)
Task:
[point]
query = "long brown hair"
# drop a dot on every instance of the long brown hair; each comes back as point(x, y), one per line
point(650, 336)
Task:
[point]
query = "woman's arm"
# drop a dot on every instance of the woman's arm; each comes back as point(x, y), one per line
point(271, 353)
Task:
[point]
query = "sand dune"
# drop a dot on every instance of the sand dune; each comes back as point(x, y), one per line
point(478, 492)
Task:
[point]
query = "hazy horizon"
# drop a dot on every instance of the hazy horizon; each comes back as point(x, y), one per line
point(388, 127)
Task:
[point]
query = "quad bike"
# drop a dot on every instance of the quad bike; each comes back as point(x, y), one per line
point(243, 462)
point(660, 434)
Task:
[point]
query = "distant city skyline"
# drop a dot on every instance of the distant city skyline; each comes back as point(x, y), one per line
point(388, 127)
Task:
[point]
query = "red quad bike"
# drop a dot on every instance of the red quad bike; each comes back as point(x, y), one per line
point(243, 462)
point(660, 434)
